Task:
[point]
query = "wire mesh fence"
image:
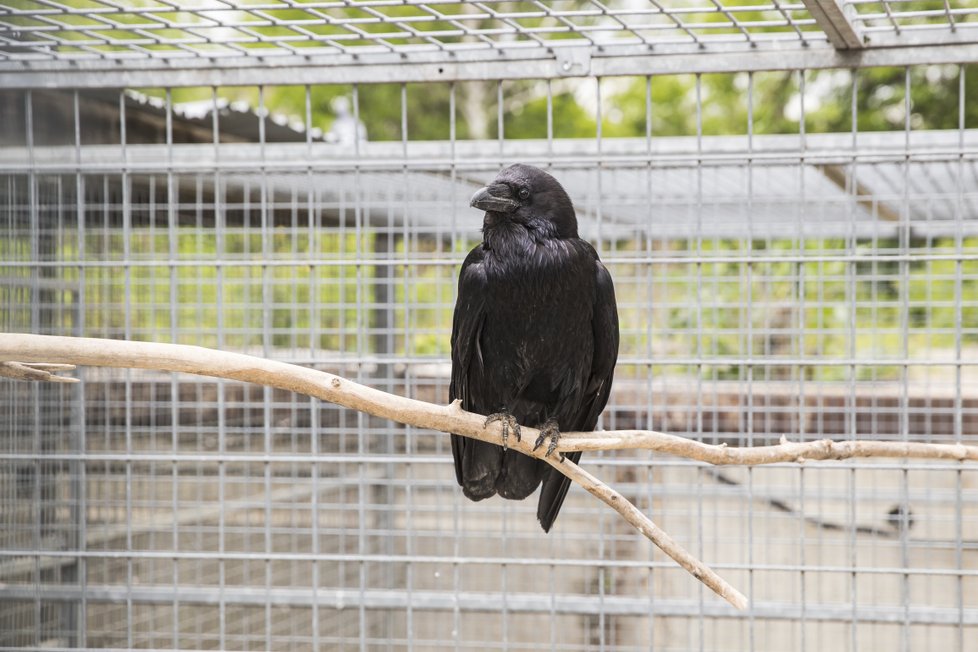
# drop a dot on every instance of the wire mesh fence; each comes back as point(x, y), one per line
point(773, 279)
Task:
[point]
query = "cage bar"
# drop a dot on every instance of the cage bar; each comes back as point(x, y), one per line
point(774, 277)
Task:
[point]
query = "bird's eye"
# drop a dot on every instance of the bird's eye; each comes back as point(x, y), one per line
point(524, 193)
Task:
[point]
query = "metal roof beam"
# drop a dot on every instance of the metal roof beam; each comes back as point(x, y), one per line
point(472, 601)
point(156, 74)
point(831, 17)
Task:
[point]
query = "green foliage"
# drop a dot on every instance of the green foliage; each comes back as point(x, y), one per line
point(722, 311)
point(305, 305)
point(723, 100)
point(881, 99)
point(380, 108)
point(774, 105)
point(529, 120)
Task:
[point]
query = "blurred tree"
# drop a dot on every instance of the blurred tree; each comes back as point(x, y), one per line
point(880, 104)
point(881, 99)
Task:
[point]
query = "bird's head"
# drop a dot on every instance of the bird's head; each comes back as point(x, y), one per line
point(530, 197)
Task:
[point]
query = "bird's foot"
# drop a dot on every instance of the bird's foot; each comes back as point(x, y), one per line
point(550, 430)
point(509, 423)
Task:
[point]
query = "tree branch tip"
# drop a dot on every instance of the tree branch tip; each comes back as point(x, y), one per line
point(36, 371)
point(50, 366)
point(737, 599)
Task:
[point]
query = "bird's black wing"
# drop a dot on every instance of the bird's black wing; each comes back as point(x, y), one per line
point(467, 362)
point(604, 326)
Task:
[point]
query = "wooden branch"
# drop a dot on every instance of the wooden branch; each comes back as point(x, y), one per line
point(28, 357)
point(36, 371)
point(800, 452)
point(26, 351)
point(653, 532)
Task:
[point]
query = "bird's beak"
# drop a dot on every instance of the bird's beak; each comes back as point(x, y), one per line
point(494, 198)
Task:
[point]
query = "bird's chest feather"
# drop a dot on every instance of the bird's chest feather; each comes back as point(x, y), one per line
point(539, 309)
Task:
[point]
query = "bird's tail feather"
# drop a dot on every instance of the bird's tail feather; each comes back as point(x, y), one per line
point(480, 465)
point(552, 494)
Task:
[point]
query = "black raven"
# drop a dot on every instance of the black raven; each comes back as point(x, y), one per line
point(534, 337)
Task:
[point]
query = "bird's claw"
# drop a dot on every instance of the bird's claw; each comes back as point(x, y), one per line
point(509, 423)
point(550, 430)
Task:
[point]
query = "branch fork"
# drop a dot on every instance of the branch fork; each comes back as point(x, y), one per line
point(28, 357)
point(41, 371)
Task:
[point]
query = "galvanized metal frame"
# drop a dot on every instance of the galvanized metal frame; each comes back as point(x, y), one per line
point(369, 26)
point(392, 68)
point(832, 18)
point(600, 39)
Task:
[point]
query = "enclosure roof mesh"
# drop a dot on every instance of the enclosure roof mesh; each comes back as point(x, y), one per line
point(253, 30)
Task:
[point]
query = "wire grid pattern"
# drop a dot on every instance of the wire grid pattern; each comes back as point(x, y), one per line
point(41, 29)
point(895, 16)
point(146, 510)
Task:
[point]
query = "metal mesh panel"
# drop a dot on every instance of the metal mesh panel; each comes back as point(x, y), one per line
point(877, 17)
point(806, 284)
point(45, 30)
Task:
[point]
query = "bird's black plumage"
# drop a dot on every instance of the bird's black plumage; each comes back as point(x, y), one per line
point(535, 334)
